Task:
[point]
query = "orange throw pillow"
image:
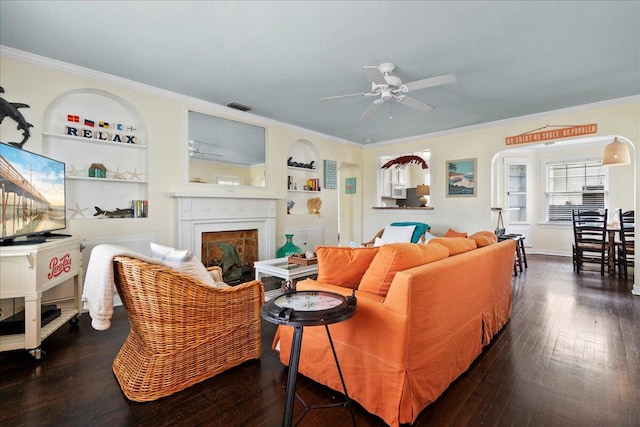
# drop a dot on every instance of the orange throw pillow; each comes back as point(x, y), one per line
point(453, 233)
point(456, 245)
point(397, 257)
point(343, 266)
point(484, 238)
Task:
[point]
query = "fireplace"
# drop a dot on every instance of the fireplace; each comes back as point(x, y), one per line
point(234, 251)
point(199, 215)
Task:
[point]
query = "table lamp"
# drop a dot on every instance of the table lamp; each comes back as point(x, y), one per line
point(423, 191)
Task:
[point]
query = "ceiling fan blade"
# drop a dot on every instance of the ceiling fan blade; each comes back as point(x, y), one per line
point(415, 104)
point(343, 96)
point(431, 81)
point(370, 111)
point(374, 74)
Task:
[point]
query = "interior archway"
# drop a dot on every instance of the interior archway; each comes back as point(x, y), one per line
point(553, 239)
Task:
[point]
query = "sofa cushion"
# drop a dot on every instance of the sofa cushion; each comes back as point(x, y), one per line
point(484, 238)
point(182, 261)
point(343, 266)
point(456, 245)
point(397, 257)
point(453, 233)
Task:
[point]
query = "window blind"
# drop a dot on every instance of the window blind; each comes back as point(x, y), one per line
point(574, 185)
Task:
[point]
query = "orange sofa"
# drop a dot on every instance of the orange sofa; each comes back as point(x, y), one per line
point(422, 318)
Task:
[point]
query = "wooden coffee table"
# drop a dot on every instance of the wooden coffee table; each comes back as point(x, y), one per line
point(280, 267)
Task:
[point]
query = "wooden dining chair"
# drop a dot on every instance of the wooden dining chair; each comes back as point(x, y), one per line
point(625, 248)
point(590, 241)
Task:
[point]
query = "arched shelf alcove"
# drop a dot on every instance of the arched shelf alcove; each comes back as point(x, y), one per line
point(85, 127)
point(303, 175)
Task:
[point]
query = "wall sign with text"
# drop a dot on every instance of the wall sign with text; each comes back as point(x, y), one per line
point(549, 134)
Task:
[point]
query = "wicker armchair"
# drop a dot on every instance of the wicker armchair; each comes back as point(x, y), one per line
point(182, 332)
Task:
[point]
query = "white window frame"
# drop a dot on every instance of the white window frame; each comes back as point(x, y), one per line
point(574, 195)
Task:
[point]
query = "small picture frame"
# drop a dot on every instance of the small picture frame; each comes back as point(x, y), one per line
point(461, 178)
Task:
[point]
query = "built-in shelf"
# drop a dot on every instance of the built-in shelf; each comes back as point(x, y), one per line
point(95, 141)
point(125, 163)
point(303, 152)
point(303, 169)
point(120, 181)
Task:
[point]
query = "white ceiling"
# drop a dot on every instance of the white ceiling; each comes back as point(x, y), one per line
point(511, 58)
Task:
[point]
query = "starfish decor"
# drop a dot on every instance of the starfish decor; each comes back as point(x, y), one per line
point(135, 174)
point(117, 174)
point(77, 211)
point(72, 171)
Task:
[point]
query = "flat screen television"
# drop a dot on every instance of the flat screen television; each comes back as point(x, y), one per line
point(32, 190)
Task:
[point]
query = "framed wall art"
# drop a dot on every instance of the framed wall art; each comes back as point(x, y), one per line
point(349, 186)
point(461, 178)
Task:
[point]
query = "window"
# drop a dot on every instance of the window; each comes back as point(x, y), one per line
point(229, 180)
point(574, 184)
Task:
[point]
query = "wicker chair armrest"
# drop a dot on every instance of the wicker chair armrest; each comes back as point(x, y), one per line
point(216, 273)
point(372, 241)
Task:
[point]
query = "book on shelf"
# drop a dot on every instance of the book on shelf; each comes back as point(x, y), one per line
point(140, 208)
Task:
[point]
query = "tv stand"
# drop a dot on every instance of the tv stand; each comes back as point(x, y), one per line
point(30, 240)
point(26, 271)
point(51, 235)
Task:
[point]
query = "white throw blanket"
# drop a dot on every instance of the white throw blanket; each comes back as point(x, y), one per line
point(99, 285)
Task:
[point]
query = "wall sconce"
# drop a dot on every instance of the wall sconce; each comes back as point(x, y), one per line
point(616, 153)
point(423, 191)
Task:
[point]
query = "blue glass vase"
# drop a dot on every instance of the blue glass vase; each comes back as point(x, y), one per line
point(289, 248)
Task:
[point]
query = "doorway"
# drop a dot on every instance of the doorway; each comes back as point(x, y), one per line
point(349, 204)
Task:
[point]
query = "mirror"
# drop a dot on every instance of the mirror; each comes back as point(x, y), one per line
point(398, 183)
point(226, 152)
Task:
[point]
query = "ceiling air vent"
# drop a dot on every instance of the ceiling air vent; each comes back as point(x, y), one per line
point(239, 106)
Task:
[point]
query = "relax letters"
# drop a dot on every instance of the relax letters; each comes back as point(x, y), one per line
point(100, 135)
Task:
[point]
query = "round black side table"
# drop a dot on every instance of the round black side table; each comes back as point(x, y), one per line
point(308, 308)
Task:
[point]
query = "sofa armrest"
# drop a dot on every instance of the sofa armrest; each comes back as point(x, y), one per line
point(374, 328)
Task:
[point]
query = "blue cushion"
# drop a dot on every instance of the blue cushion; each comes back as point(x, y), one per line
point(421, 227)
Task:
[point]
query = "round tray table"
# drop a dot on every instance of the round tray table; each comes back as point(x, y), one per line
point(308, 308)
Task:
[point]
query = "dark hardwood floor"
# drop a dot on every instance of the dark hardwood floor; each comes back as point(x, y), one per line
point(569, 356)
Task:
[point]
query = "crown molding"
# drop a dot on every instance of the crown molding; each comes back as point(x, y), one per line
point(55, 64)
point(577, 108)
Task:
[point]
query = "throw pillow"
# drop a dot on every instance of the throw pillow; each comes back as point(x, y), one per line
point(484, 238)
point(378, 242)
point(453, 233)
point(428, 236)
point(343, 266)
point(398, 234)
point(456, 245)
point(182, 261)
point(421, 228)
point(397, 257)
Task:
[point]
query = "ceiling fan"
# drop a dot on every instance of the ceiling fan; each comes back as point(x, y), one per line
point(386, 87)
point(194, 151)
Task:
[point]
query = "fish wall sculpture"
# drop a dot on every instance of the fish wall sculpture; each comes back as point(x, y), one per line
point(10, 109)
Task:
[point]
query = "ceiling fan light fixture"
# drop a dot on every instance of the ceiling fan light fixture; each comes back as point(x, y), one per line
point(384, 87)
point(616, 154)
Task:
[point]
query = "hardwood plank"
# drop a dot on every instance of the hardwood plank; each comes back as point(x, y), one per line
point(570, 356)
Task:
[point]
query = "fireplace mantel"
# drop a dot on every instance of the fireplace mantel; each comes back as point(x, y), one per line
point(198, 214)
